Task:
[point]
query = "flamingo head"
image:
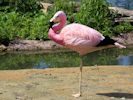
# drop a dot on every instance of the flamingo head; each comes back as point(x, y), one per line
point(59, 17)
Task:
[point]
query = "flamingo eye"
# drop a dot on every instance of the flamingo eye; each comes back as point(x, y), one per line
point(57, 16)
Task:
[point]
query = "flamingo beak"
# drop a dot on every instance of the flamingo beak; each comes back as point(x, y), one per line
point(53, 20)
point(51, 24)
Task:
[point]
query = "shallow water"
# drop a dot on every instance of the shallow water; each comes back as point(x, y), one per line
point(128, 4)
point(26, 60)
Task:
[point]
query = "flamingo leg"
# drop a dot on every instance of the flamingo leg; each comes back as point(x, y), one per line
point(80, 79)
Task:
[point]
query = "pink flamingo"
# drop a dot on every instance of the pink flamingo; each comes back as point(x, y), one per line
point(79, 38)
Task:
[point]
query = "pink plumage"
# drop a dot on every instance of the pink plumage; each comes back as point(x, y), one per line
point(80, 38)
point(77, 37)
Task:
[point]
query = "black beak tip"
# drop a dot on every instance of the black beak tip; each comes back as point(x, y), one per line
point(51, 24)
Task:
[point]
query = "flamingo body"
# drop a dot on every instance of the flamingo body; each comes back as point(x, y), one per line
point(77, 37)
point(80, 38)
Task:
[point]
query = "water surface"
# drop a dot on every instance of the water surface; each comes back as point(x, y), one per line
point(26, 60)
point(128, 4)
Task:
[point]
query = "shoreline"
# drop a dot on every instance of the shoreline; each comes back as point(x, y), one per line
point(35, 45)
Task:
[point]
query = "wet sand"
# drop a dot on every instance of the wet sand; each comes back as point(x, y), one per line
point(105, 83)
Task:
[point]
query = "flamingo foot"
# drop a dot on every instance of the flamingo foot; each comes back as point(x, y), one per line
point(119, 45)
point(76, 95)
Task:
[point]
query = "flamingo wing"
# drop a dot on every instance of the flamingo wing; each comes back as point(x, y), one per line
point(80, 38)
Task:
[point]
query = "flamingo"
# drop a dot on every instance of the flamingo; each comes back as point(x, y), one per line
point(78, 37)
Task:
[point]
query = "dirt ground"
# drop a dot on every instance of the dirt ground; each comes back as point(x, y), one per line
point(107, 83)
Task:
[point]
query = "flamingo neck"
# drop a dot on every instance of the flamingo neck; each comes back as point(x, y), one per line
point(55, 37)
point(54, 31)
point(60, 25)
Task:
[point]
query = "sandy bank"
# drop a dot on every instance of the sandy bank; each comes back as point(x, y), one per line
point(107, 83)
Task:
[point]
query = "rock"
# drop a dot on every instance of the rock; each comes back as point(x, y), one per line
point(1, 92)
point(125, 38)
point(45, 6)
point(34, 45)
point(3, 48)
point(123, 98)
point(122, 11)
point(112, 97)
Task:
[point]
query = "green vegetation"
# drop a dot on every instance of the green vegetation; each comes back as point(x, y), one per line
point(24, 18)
point(15, 24)
point(95, 13)
point(69, 6)
point(123, 28)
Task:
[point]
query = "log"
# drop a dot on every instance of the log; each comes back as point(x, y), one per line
point(124, 19)
point(122, 11)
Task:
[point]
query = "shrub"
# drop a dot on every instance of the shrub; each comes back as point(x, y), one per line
point(25, 6)
point(22, 6)
point(14, 24)
point(123, 28)
point(38, 28)
point(95, 13)
point(68, 6)
point(7, 27)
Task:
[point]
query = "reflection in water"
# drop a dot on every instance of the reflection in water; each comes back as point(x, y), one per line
point(125, 60)
point(41, 65)
point(21, 60)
